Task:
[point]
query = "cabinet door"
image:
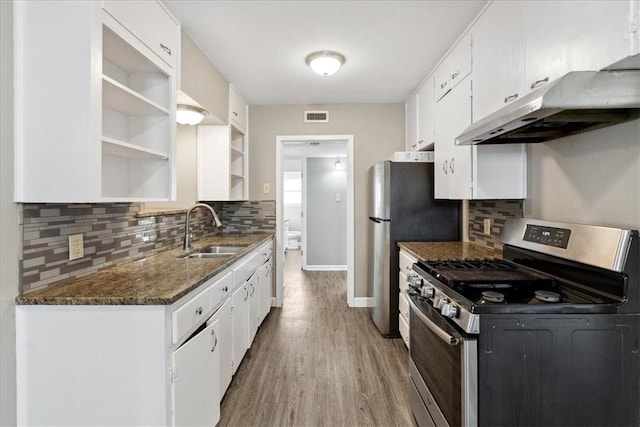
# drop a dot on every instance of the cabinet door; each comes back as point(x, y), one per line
point(196, 386)
point(426, 114)
point(460, 61)
point(498, 57)
point(453, 163)
point(237, 110)
point(150, 23)
point(224, 334)
point(254, 306)
point(264, 277)
point(240, 324)
point(411, 124)
point(570, 35)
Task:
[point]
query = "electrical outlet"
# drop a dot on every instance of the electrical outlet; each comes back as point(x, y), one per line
point(266, 188)
point(487, 226)
point(76, 247)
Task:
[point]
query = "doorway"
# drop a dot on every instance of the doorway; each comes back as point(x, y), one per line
point(322, 162)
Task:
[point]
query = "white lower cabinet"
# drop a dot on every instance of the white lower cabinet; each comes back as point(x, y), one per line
point(266, 287)
point(138, 364)
point(225, 343)
point(196, 389)
point(406, 262)
point(239, 324)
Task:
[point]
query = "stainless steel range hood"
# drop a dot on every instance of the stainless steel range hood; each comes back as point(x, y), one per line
point(579, 101)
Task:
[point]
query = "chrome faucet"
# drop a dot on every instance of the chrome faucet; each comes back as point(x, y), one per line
point(187, 231)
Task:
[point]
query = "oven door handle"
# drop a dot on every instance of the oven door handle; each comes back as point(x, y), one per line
point(444, 336)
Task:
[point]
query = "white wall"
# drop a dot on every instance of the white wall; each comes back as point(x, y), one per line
point(9, 246)
point(378, 131)
point(326, 215)
point(591, 178)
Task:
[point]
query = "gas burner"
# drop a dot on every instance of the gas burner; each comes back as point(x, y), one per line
point(547, 296)
point(492, 297)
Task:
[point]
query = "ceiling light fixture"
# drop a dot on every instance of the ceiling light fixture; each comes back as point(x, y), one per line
point(325, 62)
point(190, 114)
point(337, 165)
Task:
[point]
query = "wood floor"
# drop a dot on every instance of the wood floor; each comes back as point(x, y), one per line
point(316, 362)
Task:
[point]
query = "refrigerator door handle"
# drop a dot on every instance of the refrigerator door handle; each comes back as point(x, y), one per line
point(375, 219)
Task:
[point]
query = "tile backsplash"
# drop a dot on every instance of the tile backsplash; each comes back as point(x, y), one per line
point(495, 210)
point(114, 234)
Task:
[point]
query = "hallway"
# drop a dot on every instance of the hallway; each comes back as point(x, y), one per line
point(316, 362)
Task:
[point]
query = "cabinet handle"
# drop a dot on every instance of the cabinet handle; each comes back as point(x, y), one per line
point(451, 165)
point(413, 145)
point(454, 75)
point(234, 113)
point(215, 340)
point(225, 289)
point(445, 165)
point(443, 85)
point(539, 83)
point(165, 48)
point(253, 289)
point(510, 98)
point(199, 311)
point(247, 295)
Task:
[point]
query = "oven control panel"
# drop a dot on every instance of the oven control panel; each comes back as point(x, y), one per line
point(550, 236)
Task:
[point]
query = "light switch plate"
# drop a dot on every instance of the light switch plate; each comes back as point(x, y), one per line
point(266, 188)
point(76, 247)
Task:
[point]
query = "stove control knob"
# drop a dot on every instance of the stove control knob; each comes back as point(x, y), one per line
point(449, 310)
point(415, 281)
point(438, 302)
point(427, 292)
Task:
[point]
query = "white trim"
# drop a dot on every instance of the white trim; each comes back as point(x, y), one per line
point(363, 302)
point(326, 268)
point(280, 141)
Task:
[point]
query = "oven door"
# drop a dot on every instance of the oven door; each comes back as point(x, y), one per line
point(443, 369)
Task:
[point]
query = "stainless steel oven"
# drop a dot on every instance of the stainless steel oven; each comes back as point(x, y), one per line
point(548, 335)
point(443, 370)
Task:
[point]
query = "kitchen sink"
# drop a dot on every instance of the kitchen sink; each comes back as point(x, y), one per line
point(215, 252)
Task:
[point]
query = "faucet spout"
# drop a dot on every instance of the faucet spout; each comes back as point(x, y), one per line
point(187, 226)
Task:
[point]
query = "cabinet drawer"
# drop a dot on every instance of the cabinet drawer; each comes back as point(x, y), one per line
point(149, 22)
point(404, 330)
point(246, 267)
point(406, 262)
point(221, 289)
point(403, 306)
point(190, 314)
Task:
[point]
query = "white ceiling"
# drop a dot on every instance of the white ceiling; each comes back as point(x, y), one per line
point(260, 46)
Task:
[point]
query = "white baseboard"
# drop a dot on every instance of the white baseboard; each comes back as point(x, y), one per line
point(326, 268)
point(363, 302)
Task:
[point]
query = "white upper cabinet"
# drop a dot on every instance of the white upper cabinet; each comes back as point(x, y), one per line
point(411, 124)
point(222, 163)
point(473, 172)
point(100, 125)
point(571, 35)
point(426, 115)
point(498, 57)
point(150, 23)
point(238, 110)
point(454, 68)
point(420, 118)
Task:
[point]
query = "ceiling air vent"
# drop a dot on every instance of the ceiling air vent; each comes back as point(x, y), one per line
point(316, 117)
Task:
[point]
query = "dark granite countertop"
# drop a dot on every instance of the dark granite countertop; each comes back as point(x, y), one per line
point(437, 251)
point(160, 279)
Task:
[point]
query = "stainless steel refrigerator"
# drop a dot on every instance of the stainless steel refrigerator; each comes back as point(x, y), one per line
point(402, 208)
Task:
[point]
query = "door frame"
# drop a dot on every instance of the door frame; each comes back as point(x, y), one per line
point(280, 141)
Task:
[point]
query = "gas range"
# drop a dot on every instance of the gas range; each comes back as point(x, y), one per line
point(548, 335)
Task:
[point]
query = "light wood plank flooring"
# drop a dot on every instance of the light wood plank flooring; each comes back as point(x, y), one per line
point(316, 362)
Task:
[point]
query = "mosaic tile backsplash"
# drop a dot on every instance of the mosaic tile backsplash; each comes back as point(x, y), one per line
point(113, 235)
point(497, 211)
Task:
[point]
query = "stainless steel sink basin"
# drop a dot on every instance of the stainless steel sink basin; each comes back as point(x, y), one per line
point(215, 252)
